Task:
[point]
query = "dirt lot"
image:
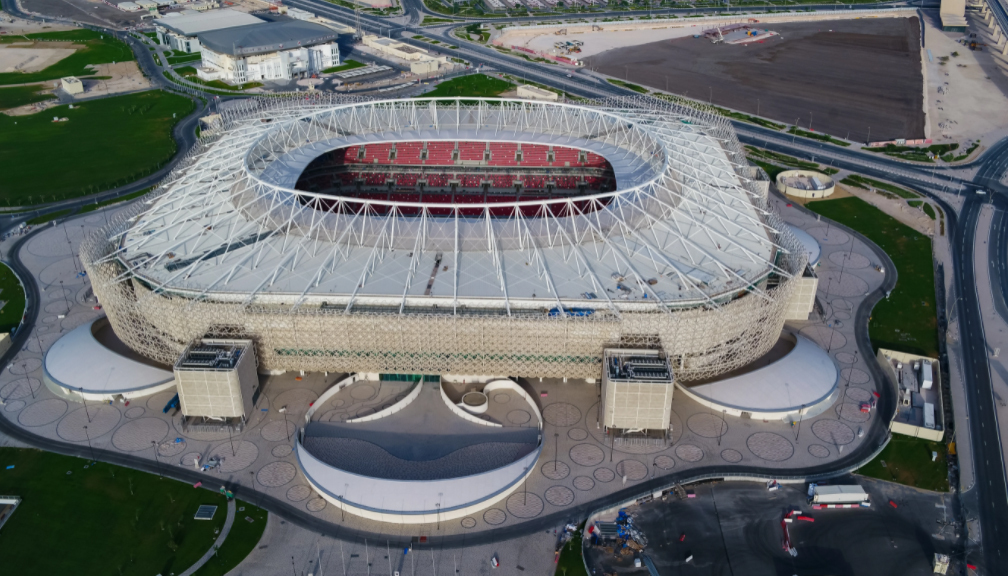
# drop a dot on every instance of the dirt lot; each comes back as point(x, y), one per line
point(849, 75)
point(90, 11)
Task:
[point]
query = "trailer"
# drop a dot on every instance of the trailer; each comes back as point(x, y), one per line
point(839, 494)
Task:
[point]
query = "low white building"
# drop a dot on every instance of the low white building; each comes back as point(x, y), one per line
point(271, 51)
point(181, 32)
point(72, 85)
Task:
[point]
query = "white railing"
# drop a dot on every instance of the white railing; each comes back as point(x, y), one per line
point(465, 415)
point(328, 394)
point(513, 387)
point(393, 408)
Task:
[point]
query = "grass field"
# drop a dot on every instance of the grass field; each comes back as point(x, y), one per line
point(570, 562)
point(126, 198)
point(471, 85)
point(877, 185)
point(13, 296)
point(173, 60)
point(97, 50)
point(241, 540)
point(346, 65)
point(21, 95)
point(48, 217)
point(908, 461)
point(108, 520)
point(629, 85)
point(105, 143)
point(907, 320)
point(817, 136)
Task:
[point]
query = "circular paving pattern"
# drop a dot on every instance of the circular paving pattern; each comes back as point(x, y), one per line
point(281, 451)
point(854, 375)
point(524, 505)
point(518, 417)
point(729, 455)
point(604, 475)
point(468, 522)
point(57, 308)
point(849, 260)
point(238, 458)
point(841, 316)
point(24, 366)
point(316, 504)
point(157, 402)
point(278, 430)
point(48, 247)
point(190, 460)
point(555, 470)
point(298, 493)
point(818, 450)
point(826, 337)
point(50, 320)
point(42, 412)
point(297, 400)
point(689, 453)
point(562, 414)
point(851, 412)
point(74, 320)
point(855, 394)
point(494, 516)
point(104, 419)
point(501, 398)
point(14, 405)
point(707, 425)
point(577, 434)
point(47, 341)
point(841, 305)
point(171, 448)
point(276, 474)
point(833, 432)
point(829, 235)
point(770, 446)
point(333, 416)
point(632, 469)
point(847, 284)
point(138, 434)
point(20, 388)
point(134, 412)
point(664, 462)
point(586, 455)
point(362, 392)
point(584, 483)
point(845, 357)
point(559, 495)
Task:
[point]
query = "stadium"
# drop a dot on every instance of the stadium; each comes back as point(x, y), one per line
point(477, 236)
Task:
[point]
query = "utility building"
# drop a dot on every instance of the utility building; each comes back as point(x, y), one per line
point(217, 378)
point(636, 390)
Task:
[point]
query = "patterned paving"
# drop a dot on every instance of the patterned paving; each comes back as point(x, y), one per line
point(730, 455)
point(689, 453)
point(190, 459)
point(171, 448)
point(134, 412)
point(281, 450)
point(587, 455)
point(501, 398)
point(826, 337)
point(494, 516)
point(855, 394)
point(298, 493)
point(604, 475)
point(297, 400)
point(559, 495)
point(138, 434)
point(851, 412)
point(468, 522)
point(237, 456)
point(845, 357)
point(524, 505)
point(707, 425)
point(664, 462)
point(316, 504)
point(278, 431)
point(104, 419)
point(577, 434)
point(833, 432)
point(855, 375)
point(20, 388)
point(14, 405)
point(829, 235)
point(770, 446)
point(555, 470)
point(157, 402)
point(276, 474)
point(818, 450)
point(584, 483)
point(22, 366)
point(42, 412)
point(846, 284)
point(561, 414)
point(518, 416)
point(632, 469)
point(849, 260)
point(362, 392)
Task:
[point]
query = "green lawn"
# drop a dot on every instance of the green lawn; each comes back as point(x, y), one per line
point(108, 520)
point(570, 563)
point(906, 321)
point(915, 153)
point(817, 136)
point(126, 198)
point(471, 85)
point(221, 85)
point(97, 50)
point(908, 461)
point(21, 95)
point(105, 143)
point(185, 71)
point(346, 65)
point(633, 87)
point(49, 217)
point(869, 183)
point(240, 542)
point(13, 295)
point(172, 60)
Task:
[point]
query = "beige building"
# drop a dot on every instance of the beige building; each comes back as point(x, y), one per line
point(636, 390)
point(72, 85)
point(953, 15)
point(802, 300)
point(536, 93)
point(217, 378)
point(805, 184)
point(919, 408)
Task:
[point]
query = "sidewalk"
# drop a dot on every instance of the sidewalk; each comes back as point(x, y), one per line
point(217, 543)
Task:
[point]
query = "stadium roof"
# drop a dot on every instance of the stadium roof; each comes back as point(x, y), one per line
point(191, 25)
point(266, 37)
point(686, 226)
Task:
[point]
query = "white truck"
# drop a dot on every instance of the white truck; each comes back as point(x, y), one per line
point(850, 494)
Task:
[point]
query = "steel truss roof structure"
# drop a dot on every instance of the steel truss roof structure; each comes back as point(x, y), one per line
point(685, 242)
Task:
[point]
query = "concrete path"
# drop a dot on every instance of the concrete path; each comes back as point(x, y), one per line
point(218, 543)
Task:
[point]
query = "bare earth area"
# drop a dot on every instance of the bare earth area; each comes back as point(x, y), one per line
point(89, 11)
point(28, 58)
point(844, 76)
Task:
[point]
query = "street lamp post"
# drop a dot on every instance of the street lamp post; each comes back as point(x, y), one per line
point(231, 440)
point(156, 459)
point(65, 297)
point(556, 450)
point(83, 399)
point(90, 448)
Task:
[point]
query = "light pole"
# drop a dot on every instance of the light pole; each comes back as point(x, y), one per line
point(90, 448)
point(556, 450)
point(156, 459)
point(231, 440)
point(83, 399)
point(65, 297)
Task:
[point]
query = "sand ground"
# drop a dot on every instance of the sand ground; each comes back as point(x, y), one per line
point(27, 58)
point(12, 25)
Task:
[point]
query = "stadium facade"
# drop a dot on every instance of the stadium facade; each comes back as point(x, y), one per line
point(481, 236)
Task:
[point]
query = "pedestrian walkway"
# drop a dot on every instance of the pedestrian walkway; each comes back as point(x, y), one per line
point(218, 543)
